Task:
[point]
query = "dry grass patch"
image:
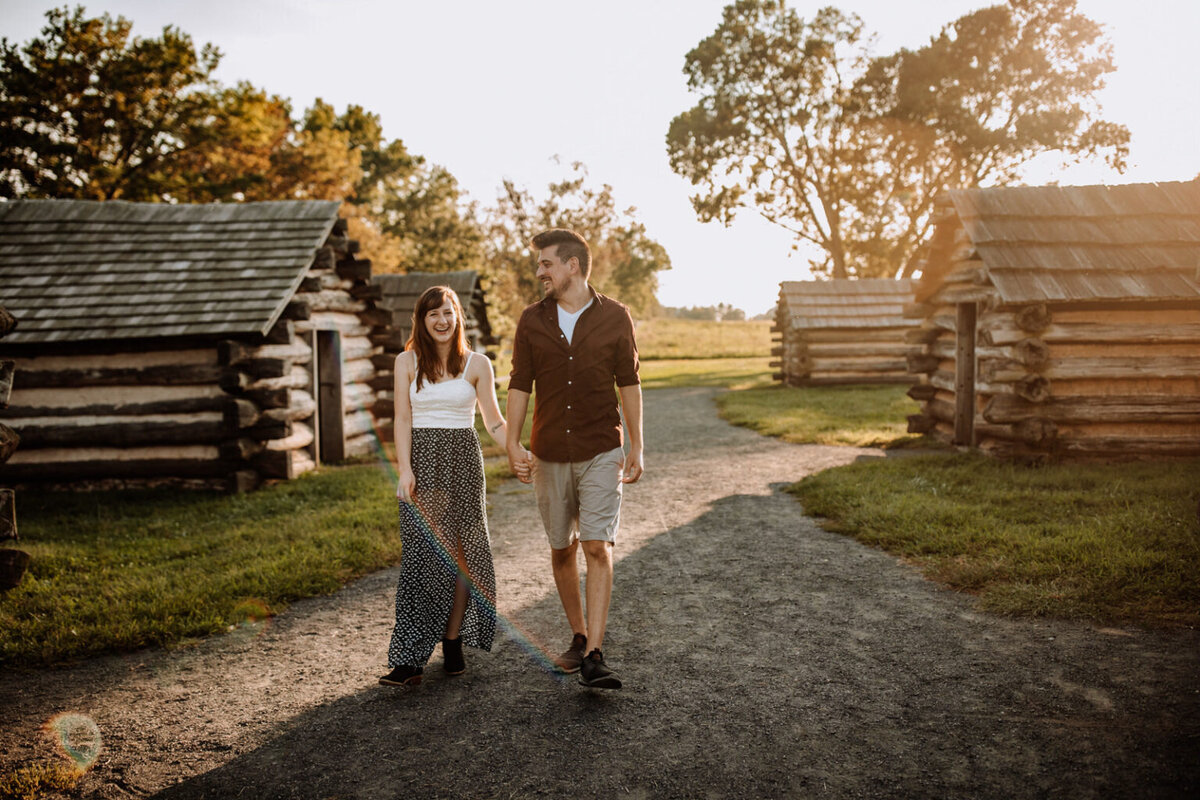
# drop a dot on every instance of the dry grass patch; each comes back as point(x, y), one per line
point(664, 338)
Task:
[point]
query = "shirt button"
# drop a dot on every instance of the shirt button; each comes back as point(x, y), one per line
point(568, 408)
point(568, 430)
point(568, 383)
point(570, 358)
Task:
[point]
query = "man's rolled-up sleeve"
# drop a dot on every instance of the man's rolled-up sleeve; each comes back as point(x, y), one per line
point(520, 377)
point(626, 372)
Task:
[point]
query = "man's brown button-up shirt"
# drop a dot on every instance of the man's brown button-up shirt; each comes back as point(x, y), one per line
point(575, 414)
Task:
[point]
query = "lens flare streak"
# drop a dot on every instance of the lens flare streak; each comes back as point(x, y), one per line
point(517, 635)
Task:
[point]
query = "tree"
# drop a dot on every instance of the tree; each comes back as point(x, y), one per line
point(249, 148)
point(87, 112)
point(722, 312)
point(990, 92)
point(625, 260)
point(411, 215)
point(797, 121)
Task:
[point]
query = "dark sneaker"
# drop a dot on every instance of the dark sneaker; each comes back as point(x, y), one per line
point(452, 657)
point(403, 676)
point(596, 674)
point(570, 660)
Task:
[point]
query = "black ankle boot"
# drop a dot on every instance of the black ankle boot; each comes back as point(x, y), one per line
point(452, 656)
point(402, 676)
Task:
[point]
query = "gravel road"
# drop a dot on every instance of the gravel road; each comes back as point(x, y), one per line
point(762, 656)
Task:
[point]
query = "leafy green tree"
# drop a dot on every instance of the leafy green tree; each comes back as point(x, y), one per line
point(723, 312)
point(797, 121)
point(88, 112)
point(411, 215)
point(993, 90)
point(625, 260)
point(252, 149)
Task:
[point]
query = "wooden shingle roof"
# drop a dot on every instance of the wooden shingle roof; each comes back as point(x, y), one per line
point(1080, 243)
point(401, 292)
point(77, 270)
point(839, 303)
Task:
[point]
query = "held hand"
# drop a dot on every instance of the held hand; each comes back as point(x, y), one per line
point(520, 461)
point(632, 468)
point(406, 485)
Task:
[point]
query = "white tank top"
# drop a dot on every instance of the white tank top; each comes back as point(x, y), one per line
point(445, 404)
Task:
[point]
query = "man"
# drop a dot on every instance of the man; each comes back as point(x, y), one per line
point(573, 346)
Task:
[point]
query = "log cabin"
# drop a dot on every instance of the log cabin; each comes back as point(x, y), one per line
point(397, 296)
point(207, 345)
point(1062, 323)
point(842, 332)
point(13, 562)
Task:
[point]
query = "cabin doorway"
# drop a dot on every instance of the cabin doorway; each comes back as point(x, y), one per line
point(327, 373)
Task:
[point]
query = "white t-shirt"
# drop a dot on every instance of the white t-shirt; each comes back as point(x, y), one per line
point(567, 320)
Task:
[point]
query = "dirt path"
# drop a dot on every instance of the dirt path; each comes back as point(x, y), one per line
point(763, 657)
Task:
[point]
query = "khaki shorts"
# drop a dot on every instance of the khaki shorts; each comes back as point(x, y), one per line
point(579, 498)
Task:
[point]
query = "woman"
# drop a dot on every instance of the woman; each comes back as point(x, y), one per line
point(447, 587)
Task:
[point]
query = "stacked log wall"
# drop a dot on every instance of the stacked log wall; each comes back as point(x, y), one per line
point(930, 359)
point(839, 356)
point(127, 413)
point(1091, 383)
point(340, 297)
point(13, 562)
point(1061, 382)
point(841, 332)
point(335, 295)
point(223, 414)
point(789, 347)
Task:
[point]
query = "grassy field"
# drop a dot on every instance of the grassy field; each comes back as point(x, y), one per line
point(690, 338)
point(677, 340)
point(864, 416)
point(730, 373)
point(1109, 543)
point(117, 571)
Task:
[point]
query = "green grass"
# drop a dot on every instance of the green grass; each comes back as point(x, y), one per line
point(1108, 543)
point(732, 373)
point(863, 416)
point(661, 338)
point(117, 571)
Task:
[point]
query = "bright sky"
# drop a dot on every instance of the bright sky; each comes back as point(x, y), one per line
point(468, 85)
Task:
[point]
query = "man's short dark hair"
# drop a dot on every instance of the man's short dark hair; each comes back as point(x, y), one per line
point(570, 245)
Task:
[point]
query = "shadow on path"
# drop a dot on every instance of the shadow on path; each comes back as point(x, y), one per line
point(763, 657)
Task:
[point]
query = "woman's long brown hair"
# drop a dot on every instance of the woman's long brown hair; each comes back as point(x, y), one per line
point(429, 366)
